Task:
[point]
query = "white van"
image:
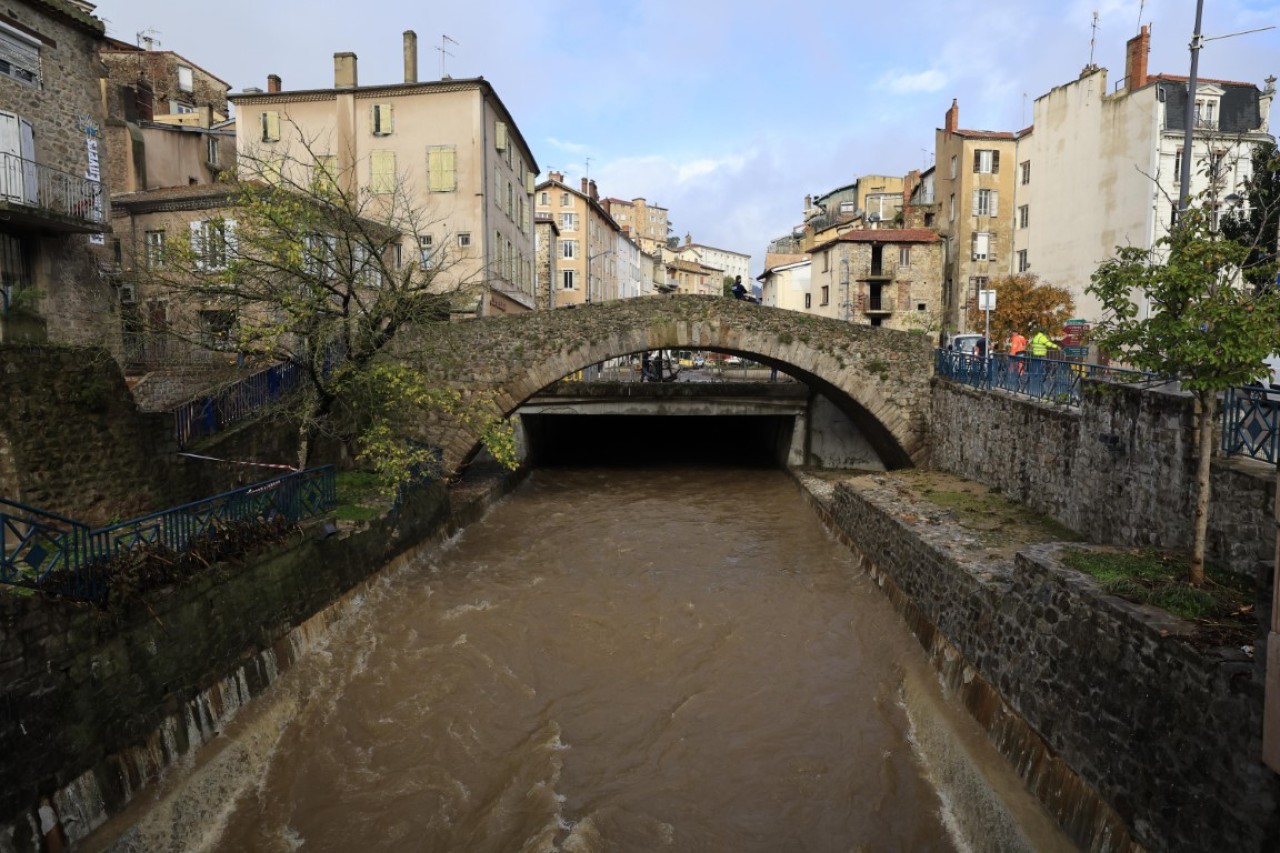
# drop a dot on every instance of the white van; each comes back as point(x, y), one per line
point(964, 343)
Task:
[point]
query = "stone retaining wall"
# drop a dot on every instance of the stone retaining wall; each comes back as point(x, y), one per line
point(1104, 709)
point(1119, 470)
point(95, 704)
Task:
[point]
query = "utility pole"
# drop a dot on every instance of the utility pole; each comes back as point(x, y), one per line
point(1188, 135)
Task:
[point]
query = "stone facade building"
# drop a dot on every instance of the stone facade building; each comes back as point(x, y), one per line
point(974, 177)
point(546, 239)
point(53, 210)
point(888, 277)
point(588, 257)
point(647, 223)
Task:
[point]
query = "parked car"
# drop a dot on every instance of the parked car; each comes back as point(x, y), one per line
point(964, 343)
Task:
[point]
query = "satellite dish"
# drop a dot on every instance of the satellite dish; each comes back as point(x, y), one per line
point(874, 217)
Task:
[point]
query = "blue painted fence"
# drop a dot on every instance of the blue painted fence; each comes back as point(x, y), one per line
point(235, 401)
point(1251, 423)
point(1049, 379)
point(34, 544)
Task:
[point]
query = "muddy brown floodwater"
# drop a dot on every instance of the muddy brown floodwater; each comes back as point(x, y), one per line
point(612, 660)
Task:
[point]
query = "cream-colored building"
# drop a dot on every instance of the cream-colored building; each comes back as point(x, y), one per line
point(1102, 167)
point(687, 276)
point(731, 263)
point(448, 149)
point(974, 181)
point(647, 223)
point(889, 277)
point(590, 252)
point(785, 282)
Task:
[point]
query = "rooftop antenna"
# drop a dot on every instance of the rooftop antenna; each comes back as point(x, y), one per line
point(147, 40)
point(1023, 122)
point(1093, 35)
point(586, 168)
point(444, 40)
point(1141, 5)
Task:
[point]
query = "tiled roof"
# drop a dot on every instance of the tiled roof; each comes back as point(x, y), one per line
point(882, 235)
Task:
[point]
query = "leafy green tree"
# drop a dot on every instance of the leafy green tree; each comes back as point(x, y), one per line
point(310, 267)
point(726, 288)
point(1255, 224)
point(1205, 327)
point(1024, 304)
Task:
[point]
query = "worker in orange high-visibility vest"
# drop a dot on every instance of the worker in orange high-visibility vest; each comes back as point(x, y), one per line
point(1017, 346)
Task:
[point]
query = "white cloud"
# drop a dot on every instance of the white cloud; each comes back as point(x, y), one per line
point(569, 147)
point(923, 81)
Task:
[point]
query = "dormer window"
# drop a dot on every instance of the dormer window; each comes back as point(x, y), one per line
point(1208, 107)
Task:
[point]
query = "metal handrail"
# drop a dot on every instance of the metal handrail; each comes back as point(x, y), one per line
point(1251, 423)
point(30, 184)
point(34, 543)
point(1050, 379)
point(211, 413)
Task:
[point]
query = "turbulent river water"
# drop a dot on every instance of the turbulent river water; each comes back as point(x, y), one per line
point(612, 660)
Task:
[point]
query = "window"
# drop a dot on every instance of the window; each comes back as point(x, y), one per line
point(951, 208)
point(464, 239)
point(544, 199)
point(211, 151)
point(155, 249)
point(564, 200)
point(568, 222)
point(986, 202)
point(382, 119)
point(808, 300)
point(186, 82)
point(978, 283)
point(955, 166)
point(211, 241)
point(500, 136)
point(318, 255)
point(986, 161)
point(1205, 113)
point(1024, 214)
point(848, 207)
point(568, 249)
point(19, 56)
point(382, 171)
point(826, 292)
point(568, 279)
point(904, 256)
point(364, 266)
point(1026, 171)
point(426, 250)
point(179, 108)
point(216, 329)
point(1023, 263)
point(1177, 167)
point(270, 126)
point(983, 246)
point(397, 255)
point(442, 168)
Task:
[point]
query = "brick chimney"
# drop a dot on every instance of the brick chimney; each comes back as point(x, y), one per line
point(1136, 51)
point(410, 56)
point(558, 177)
point(586, 190)
point(953, 117)
point(273, 82)
point(595, 195)
point(344, 71)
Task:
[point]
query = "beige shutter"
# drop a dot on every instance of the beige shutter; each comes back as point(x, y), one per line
point(500, 136)
point(441, 168)
point(382, 177)
point(270, 126)
point(383, 120)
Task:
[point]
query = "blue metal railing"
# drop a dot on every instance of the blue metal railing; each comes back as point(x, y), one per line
point(235, 401)
point(1251, 423)
point(37, 547)
point(1049, 379)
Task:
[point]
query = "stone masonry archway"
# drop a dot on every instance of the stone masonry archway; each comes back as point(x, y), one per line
point(878, 377)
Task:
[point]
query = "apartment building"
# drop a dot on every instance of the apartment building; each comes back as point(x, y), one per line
point(589, 253)
point(889, 277)
point(647, 223)
point(1102, 168)
point(974, 180)
point(53, 210)
point(167, 123)
point(443, 157)
point(785, 281)
point(733, 264)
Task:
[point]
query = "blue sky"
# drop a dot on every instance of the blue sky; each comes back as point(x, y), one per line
point(726, 113)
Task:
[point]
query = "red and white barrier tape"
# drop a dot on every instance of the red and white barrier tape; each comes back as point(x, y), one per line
point(238, 462)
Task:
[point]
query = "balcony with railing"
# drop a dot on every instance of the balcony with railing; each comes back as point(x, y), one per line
point(42, 197)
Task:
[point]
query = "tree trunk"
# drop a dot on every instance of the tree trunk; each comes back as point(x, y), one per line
point(1207, 401)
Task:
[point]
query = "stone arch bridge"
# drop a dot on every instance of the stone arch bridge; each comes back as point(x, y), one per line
point(878, 377)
